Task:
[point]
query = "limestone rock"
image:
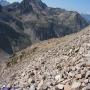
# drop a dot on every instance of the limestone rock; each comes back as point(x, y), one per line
point(58, 78)
point(67, 87)
point(87, 74)
point(60, 87)
point(40, 85)
point(78, 76)
point(32, 87)
point(76, 85)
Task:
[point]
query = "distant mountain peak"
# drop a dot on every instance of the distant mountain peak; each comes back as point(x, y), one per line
point(4, 2)
point(32, 5)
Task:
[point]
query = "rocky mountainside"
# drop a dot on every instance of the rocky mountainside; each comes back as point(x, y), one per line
point(32, 21)
point(87, 17)
point(11, 36)
point(55, 64)
point(4, 2)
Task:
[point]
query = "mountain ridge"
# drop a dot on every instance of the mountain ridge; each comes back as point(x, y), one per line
point(39, 23)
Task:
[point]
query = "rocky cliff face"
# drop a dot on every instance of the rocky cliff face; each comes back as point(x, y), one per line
point(56, 64)
point(37, 22)
point(45, 23)
point(11, 37)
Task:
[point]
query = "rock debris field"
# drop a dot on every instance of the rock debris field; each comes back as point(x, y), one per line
point(56, 64)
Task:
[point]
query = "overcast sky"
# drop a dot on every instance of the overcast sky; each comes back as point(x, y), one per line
point(82, 6)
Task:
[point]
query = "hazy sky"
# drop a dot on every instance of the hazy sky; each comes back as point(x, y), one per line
point(82, 6)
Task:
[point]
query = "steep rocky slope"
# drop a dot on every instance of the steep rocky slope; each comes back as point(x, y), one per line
point(12, 38)
point(56, 64)
point(87, 17)
point(42, 22)
point(36, 22)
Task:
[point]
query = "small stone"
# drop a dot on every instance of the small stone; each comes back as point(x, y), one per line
point(86, 81)
point(73, 68)
point(77, 49)
point(84, 88)
point(89, 79)
point(83, 85)
point(32, 74)
point(33, 87)
point(36, 68)
point(87, 74)
point(77, 67)
point(9, 85)
point(59, 87)
point(58, 78)
point(29, 81)
point(78, 76)
point(43, 62)
point(23, 74)
point(71, 74)
point(83, 64)
point(33, 81)
point(67, 87)
point(45, 87)
point(52, 84)
point(88, 63)
point(88, 87)
point(44, 77)
point(76, 85)
point(40, 85)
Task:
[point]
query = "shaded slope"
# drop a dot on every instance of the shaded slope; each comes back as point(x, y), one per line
point(12, 37)
point(11, 40)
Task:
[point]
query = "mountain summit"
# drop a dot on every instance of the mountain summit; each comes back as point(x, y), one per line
point(32, 6)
